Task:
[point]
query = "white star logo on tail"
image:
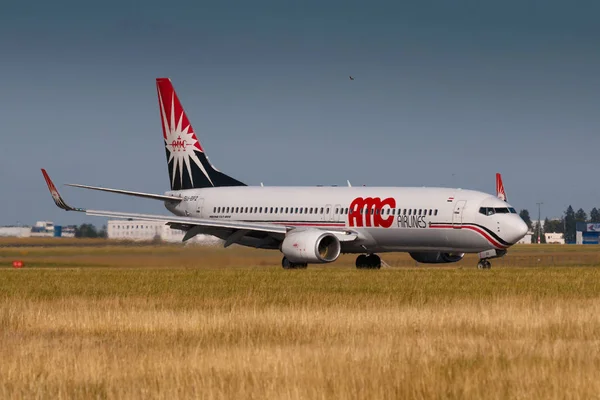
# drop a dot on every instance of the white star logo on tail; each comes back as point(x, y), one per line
point(181, 143)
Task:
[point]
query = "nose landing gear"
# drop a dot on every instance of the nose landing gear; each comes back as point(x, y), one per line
point(485, 256)
point(371, 261)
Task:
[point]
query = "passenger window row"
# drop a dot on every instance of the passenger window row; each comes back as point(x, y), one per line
point(274, 210)
point(319, 210)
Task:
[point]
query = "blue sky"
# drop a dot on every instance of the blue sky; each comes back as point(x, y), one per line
point(446, 93)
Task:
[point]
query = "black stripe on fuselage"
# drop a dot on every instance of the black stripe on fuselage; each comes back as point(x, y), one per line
point(487, 230)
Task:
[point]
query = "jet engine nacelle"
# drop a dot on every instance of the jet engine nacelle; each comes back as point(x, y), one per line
point(436, 258)
point(311, 246)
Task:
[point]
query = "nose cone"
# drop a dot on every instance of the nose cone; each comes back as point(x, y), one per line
point(518, 230)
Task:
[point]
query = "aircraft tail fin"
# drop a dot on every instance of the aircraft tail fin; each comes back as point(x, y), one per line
point(500, 192)
point(188, 164)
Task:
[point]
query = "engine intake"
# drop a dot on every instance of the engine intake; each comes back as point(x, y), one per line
point(436, 257)
point(311, 246)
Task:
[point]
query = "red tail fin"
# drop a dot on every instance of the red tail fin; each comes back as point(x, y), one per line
point(500, 193)
point(189, 167)
point(174, 120)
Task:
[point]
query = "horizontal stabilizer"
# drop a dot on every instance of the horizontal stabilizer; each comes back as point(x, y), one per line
point(129, 192)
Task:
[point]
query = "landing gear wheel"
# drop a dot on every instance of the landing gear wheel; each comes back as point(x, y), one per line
point(372, 261)
point(287, 264)
point(484, 264)
point(361, 261)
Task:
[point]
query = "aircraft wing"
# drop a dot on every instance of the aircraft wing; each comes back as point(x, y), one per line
point(210, 223)
point(278, 231)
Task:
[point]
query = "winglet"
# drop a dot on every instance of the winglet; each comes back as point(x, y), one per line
point(500, 193)
point(58, 200)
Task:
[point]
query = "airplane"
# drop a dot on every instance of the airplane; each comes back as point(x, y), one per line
point(314, 225)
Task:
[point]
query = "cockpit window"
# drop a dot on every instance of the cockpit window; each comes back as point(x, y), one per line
point(496, 210)
point(486, 210)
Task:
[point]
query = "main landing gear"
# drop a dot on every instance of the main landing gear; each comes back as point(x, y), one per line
point(287, 264)
point(484, 264)
point(364, 261)
point(371, 261)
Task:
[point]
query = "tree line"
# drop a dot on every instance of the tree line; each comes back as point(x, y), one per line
point(566, 224)
point(90, 231)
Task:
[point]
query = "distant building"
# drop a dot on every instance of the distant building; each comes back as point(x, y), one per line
point(43, 229)
point(151, 230)
point(64, 231)
point(40, 229)
point(526, 239)
point(15, 231)
point(587, 233)
point(554, 238)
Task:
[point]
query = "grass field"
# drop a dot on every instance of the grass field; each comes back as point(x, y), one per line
point(89, 320)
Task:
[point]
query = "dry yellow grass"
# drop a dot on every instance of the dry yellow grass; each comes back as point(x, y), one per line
point(176, 323)
point(61, 252)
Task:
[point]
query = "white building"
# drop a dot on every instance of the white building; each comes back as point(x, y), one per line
point(40, 229)
point(67, 231)
point(151, 230)
point(15, 231)
point(554, 238)
point(43, 229)
point(526, 239)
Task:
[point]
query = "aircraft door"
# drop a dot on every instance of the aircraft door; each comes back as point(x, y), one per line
point(337, 210)
point(328, 213)
point(458, 213)
point(199, 204)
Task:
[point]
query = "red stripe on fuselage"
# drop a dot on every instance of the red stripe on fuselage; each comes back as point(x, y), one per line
point(337, 225)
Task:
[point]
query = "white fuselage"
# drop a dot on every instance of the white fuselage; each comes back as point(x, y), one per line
point(387, 218)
